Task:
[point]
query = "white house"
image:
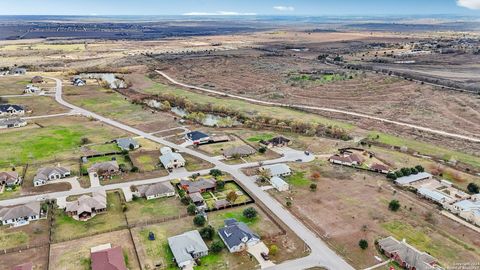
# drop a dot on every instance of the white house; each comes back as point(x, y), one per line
point(20, 214)
point(468, 209)
point(12, 123)
point(171, 160)
point(11, 110)
point(31, 89)
point(237, 236)
point(50, 173)
point(278, 170)
point(413, 178)
point(279, 184)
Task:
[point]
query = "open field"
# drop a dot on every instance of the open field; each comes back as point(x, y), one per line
point(75, 254)
point(38, 256)
point(38, 105)
point(146, 161)
point(143, 210)
point(33, 234)
point(65, 227)
point(334, 212)
point(193, 163)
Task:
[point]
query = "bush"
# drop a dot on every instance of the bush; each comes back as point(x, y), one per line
point(199, 220)
point(215, 173)
point(84, 141)
point(207, 232)
point(232, 196)
point(394, 205)
point(273, 249)
point(216, 246)
point(220, 184)
point(313, 187)
point(473, 188)
point(391, 176)
point(134, 169)
point(363, 244)
point(419, 168)
point(288, 204)
point(185, 200)
point(262, 150)
point(398, 174)
point(191, 209)
point(250, 213)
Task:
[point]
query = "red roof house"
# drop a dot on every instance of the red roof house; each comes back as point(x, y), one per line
point(108, 259)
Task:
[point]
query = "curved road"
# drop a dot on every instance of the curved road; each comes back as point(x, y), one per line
point(398, 123)
point(320, 255)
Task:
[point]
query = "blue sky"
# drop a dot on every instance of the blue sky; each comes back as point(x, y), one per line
point(239, 7)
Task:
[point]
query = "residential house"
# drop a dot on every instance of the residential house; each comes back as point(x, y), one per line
point(413, 179)
point(376, 167)
point(37, 79)
point(24, 266)
point(86, 207)
point(187, 248)
point(200, 185)
point(11, 110)
point(239, 151)
point(171, 160)
point(347, 159)
point(104, 169)
point(221, 203)
point(277, 170)
point(237, 236)
point(50, 173)
point(155, 191)
point(77, 81)
point(279, 184)
point(17, 71)
point(20, 214)
point(198, 200)
point(197, 137)
point(435, 195)
point(407, 256)
point(127, 144)
point(31, 89)
point(279, 141)
point(104, 257)
point(10, 179)
point(468, 209)
point(12, 123)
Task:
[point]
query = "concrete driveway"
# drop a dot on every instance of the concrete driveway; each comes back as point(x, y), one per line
point(256, 251)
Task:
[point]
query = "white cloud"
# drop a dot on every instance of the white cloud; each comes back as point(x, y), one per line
point(471, 4)
point(284, 8)
point(219, 13)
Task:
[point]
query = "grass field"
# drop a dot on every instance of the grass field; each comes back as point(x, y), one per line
point(140, 209)
point(298, 179)
point(34, 233)
point(121, 159)
point(195, 164)
point(13, 85)
point(43, 47)
point(65, 227)
point(261, 136)
point(146, 161)
point(104, 148)
point(39, 105)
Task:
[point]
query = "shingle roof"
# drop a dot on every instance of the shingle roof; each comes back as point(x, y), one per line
point(410, 255)
point(184, 244)
point(348, 158)
point(86, 203)
point(277, 181)
point(434, 195)
point(8, 177)
point(108, 259)
point(6, 107)
point(43, 173)
point(104, 166)
point(277, 169)
point(154, 189)
point(23, 210)
point(167, 158)
point(198, 185)
point(196, 197)
point(124, 143)
point(196, 135)
point(234, 231)
point(412, 178)
point(242, 150)
point(276, 141)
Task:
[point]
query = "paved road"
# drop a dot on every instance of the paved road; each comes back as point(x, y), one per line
point(320, 255)
point(398, 123)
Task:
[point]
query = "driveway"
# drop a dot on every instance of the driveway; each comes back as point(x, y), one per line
point(72, 180)
point(94, 181)
point(127, 192)
point(256, 251)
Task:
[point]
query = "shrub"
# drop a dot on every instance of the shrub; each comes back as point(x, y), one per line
point(289, 203)
point(207, 232)
point(215, 172)
point(262, 150)
point(232, 196)
point(84, 140)
point(185, 200)
point(419, 168)
point(191, 209)
point(216, 246)
point(394, 205)
point(220, 184)
point(199, 220)
point(363, 244)
point(134, 169)
point(250, 213)
point(273, 249)
point(473, 188)
point(391, 176)
point(313, 187)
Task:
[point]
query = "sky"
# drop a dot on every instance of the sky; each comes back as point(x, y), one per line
point(240, 7)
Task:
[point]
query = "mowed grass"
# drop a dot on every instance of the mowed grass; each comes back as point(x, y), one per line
point(261, 136)
point(246, 107)
point(65, 227)
point(425, 148)
point(141, 210)
point(298, 179)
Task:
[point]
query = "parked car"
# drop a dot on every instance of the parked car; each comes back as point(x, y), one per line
point(265, 256)
point(307, 153)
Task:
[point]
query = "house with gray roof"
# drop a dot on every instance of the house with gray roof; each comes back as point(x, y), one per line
point(199, 185)
point(187, 248)
point(10, 179)
point(11, 110)
point(239, 151)
point(105, 169)
point(20, 214)
point(171, 160)
point(413, 179)
point(12, 123)
point(279, 184)
point(157, 190)
point(406, 255)
point(50, 173)
point(277, 170)
point(435, 195)
point(86, 207)
point(237, 236)
point(468, 209)
point(17, 71)
point(127, 144)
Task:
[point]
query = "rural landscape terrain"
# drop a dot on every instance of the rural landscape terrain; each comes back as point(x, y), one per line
point(268, 143)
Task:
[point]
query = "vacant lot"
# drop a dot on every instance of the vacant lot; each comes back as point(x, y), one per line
point(38, 256)
point(193, 163)
point(36, 233)
point(39, 105)
point(75, 255)
point(350, 205)
point(146, 161)
point(65, 227)
point(143, 210)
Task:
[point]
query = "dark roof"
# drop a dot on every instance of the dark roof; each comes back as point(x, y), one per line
point(234, 231)
point(108, 259)
point(198, 185)
point(196, 197)
point(196, 135)
point(379, 167)
point(5, 107)
point(350, 158)
point(277, 140)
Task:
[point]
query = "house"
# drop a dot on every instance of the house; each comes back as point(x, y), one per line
point(11, 110)
point(86, 206)
point(279, 141)
point(77, 81)
point(12, 123)
point(406, 255)
point(377, 167)
point(435, 196)
point(49, 173)
point(198, 200)
point(17, 71)
point(104, 257)
point(187, 248)
point(171, 160)
point(37, 79)
point(347, 159)
point(221, 203)
point(197, 137)
point(20, 214)
point(127, 144)
point(200, 185)
point(10, 179)
point(155, 191)
point(277, 170)
point(279, 184)
point(237, 236)
point(104, 169)
point(31, 89)
point(23, 266)
point(468, 209)
point(239, 151)
point(413, 179)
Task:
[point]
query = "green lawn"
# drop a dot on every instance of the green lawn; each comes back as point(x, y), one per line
point(141, 209)
point(298, 179)
point(260, 137)
point(65, 227)
point(147, 162)
point(222, 194)
point(121, 159)
point(105, 148)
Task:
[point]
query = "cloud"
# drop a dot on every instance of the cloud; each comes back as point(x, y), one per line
point(284, 8)
point(219, 13)
point(470, 4)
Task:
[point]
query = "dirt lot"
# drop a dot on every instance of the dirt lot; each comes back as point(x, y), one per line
point(355, 203)
point(34, 234)
point(38, 105)
point(75, 255)
point(38, 256)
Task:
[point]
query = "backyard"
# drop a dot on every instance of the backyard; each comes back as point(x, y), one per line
point(143, 210)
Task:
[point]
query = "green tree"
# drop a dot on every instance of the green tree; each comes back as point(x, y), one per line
point(216, 246)
point(215, 172)
point(220, 184)
point(313, 187)
point(207, 232)
point(288, 204)
point(199, 220)
point(394, 205)
point(232, 196)
point(273, 249)
point(391, 176)
point(250, 213)
point(363, 244)
point(262, 150)
point(191, 209)
point(473, 188)
point(419, 168)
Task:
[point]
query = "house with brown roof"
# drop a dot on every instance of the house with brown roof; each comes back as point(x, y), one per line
point(19, 215)
point(377, 167)
point(37, 79)
point(10, 179)
point(239, 151)
point(200, 185)
point(86, 207)
point(278, 141)
point(347, 159)
point(155, 191)
point(104, 169)
point(104, 257)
